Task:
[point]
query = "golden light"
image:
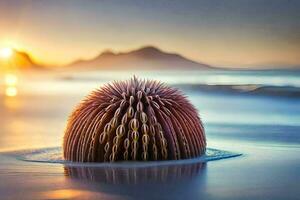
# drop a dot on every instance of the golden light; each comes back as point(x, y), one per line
point(11, 79)
point(11, 91)
point(6, 52)
point(62, 194)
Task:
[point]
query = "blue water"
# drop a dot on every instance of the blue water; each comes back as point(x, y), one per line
point(220, 77)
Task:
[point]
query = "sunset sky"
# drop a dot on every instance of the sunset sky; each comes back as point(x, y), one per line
point(234, 33)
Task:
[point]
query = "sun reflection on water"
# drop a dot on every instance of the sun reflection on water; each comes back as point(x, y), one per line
point(62, 194)
point(10, 81)
point(11, 91)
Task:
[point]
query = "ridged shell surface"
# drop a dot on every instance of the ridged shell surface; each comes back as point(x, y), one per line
point(134, 120)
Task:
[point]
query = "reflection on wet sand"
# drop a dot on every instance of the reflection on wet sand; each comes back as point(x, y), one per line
point(62, 194)
point(159, 182)
point(136, 175)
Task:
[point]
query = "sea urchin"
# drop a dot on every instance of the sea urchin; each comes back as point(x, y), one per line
point(134, 120)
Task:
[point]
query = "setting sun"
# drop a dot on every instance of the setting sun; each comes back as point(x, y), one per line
point(6, 52)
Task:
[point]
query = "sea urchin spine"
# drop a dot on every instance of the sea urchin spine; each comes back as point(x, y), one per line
point(134, 120)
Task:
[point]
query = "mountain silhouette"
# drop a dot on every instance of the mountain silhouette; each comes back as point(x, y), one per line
point(19, 60)
point(145, 58)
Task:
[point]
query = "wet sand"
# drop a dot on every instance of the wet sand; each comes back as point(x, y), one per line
point(263, 172)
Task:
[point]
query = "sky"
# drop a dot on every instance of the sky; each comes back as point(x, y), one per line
point(226, 33)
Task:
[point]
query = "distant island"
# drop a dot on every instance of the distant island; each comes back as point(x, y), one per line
point(145, 58)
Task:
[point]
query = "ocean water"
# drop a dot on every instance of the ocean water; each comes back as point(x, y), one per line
point(252, 100)
point(253, 113)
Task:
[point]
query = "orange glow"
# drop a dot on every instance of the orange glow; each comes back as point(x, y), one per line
point(62, 194)
point(67, 194)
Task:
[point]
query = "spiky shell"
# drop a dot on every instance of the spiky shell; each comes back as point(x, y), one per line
point(134, 120)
